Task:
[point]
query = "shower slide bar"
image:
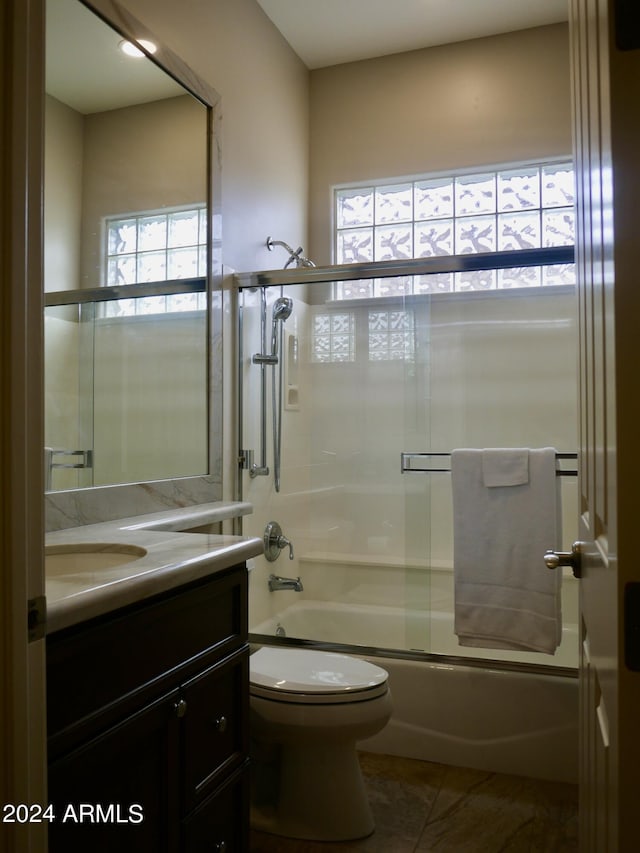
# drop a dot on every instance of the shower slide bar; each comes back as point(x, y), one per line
point(407, 465)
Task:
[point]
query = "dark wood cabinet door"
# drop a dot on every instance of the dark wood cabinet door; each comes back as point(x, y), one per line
point(119, 793)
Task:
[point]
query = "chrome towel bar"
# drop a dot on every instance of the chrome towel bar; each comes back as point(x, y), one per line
point(416, 463)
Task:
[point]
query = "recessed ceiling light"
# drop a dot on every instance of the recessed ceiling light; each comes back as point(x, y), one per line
point(132, 50)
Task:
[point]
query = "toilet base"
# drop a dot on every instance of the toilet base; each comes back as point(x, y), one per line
point(320, 794)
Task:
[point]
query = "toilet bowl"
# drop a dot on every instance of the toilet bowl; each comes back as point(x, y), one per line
point(308, 710)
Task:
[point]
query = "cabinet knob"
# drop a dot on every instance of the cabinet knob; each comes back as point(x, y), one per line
point(220, 724)
point(180, 708)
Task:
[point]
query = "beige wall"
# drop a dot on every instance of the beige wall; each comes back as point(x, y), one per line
point(115, 162)
point(487, 101)
point(144, 157)
point(264, 90)
point(63, 163)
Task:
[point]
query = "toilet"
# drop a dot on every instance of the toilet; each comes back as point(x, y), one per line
point(308, 710)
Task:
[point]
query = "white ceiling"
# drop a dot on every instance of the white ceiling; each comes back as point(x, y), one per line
point(86, 71)
point(329, 32)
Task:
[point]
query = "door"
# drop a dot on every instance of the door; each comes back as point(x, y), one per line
point(606, 93)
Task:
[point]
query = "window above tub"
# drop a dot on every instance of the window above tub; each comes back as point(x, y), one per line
point(524, 206)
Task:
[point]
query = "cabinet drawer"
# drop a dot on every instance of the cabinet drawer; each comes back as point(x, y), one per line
point(215, 726)
point(222, 822)
point(137, 649)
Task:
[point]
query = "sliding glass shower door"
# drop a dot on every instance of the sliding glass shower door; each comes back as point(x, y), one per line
point(355, 375)
point(382, 379)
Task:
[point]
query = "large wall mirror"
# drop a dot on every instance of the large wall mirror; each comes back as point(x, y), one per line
point(130, 263)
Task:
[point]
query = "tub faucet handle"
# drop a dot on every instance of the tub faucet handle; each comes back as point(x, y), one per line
point(275, 541)
point(283, 542)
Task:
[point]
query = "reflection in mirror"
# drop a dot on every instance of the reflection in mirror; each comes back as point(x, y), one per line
point(126, 248)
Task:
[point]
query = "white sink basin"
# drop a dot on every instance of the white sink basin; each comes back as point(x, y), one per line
point(62, 560)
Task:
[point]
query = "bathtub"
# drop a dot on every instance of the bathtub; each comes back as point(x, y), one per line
point(504, 720)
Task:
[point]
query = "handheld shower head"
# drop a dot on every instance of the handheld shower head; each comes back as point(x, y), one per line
point(282, 308)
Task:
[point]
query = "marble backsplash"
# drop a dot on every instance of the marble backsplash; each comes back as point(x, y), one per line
point(106, 503)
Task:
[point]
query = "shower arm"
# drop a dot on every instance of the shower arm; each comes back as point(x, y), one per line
point(295, 255)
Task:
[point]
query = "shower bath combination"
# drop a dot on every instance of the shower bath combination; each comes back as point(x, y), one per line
point(391, 597)
point(282, 308)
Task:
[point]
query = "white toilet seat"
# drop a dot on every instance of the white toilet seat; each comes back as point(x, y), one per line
point(301, 676)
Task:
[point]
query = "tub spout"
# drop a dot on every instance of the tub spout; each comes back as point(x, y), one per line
point(276, 583)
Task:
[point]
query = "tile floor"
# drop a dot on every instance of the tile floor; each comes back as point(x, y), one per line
point(419, 807)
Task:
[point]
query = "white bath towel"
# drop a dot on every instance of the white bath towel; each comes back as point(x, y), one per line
point(505, 597)
point(505, 466)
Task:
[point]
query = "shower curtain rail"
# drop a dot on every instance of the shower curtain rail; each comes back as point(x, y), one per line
point(416, 266)
point(406, 466)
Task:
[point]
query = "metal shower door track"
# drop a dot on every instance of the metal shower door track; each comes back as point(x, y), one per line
point(415, 266)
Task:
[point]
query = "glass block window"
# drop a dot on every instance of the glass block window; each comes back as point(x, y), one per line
point(156, 247)
point(524, 207)
point(391, 336)
point(334, 337)
point(374, 335)
point(152, 247)
point(170, 304)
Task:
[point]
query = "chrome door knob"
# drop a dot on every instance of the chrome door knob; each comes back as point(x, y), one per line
point(573, 558)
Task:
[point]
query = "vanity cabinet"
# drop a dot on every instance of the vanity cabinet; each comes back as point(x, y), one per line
point(148, 712)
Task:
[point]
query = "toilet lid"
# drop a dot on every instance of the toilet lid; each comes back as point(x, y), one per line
point(302, 671)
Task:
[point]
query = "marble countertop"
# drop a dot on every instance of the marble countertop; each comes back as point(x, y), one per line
point(172, 558)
